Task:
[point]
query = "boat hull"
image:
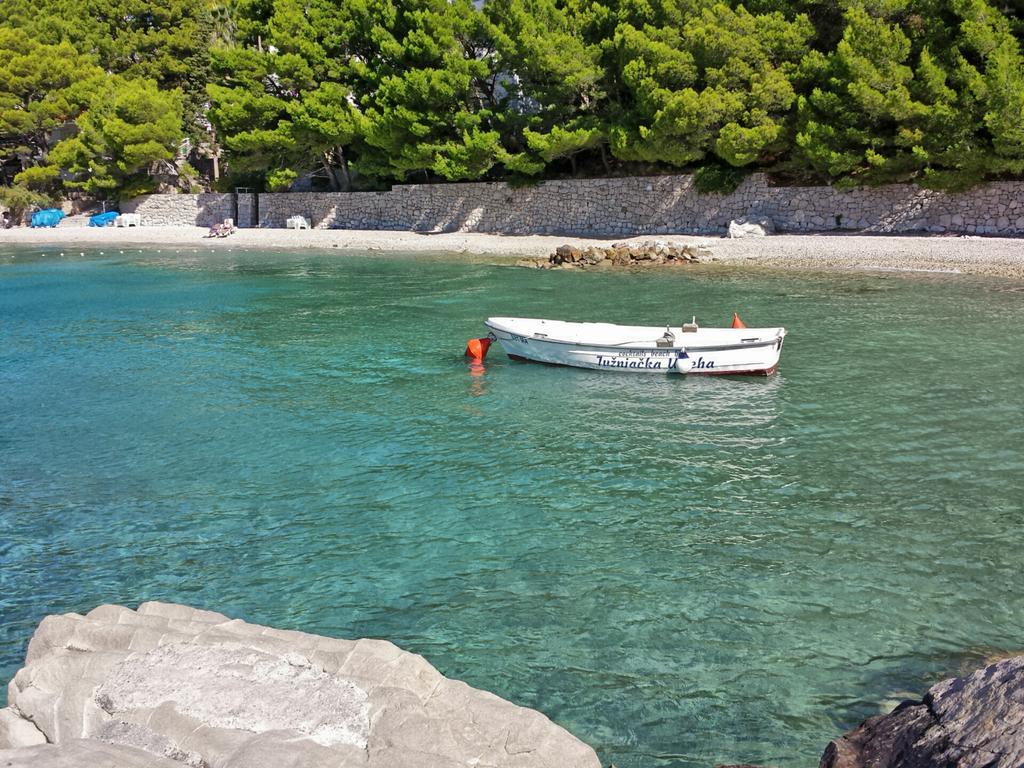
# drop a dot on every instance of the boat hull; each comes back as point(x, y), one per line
point(711, 352)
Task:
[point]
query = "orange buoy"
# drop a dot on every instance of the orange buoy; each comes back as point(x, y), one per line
point(477, 348)
point(736, 322)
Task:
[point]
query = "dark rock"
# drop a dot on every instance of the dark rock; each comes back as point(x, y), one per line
point(886, 740)
point(565, 254)
point(975, 721)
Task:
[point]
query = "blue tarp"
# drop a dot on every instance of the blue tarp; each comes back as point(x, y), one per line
point(49, 217)
point(102, 219)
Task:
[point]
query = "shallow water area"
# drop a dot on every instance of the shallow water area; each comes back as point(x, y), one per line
point(680, 570)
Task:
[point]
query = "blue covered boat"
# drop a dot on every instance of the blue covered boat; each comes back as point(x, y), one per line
point(103, 219)
point(48, 217)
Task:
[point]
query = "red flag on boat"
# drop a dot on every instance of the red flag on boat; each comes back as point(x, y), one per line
point(736, 322)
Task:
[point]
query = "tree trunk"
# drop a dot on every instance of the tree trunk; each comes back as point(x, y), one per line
point(572, 163)
point(332, 176)
point(215, 154)
point(604, 161)
point(346, 177)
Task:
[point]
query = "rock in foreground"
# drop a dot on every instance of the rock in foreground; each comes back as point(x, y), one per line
point(170, 685)
point(965, 722)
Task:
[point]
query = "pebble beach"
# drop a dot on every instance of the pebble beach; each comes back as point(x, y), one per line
point(993, 256)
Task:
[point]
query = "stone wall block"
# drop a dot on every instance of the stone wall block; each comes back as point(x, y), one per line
point(203, 210)
point(619, 206)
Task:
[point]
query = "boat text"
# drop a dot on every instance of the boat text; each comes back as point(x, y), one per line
point(620, 362)
point(645, 353)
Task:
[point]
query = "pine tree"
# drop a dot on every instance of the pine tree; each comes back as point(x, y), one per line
point(129, 126)
point(42, 88)
point(719, 86)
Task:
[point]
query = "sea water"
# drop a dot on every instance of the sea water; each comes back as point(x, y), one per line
point(680, 570)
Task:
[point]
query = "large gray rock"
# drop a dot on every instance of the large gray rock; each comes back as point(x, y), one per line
point(176, 686)
point(16, 731)
point(82, 753)
point(965, 722)
point(750, 228)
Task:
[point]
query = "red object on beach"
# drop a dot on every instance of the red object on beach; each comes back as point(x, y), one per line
point(477, 348)
point(736, 322)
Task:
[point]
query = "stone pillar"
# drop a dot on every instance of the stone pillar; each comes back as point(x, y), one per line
point(246, 210)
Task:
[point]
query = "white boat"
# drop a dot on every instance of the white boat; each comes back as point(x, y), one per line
point(635, 348)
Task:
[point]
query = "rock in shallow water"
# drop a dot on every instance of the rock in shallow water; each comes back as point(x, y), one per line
point(975, 721)
point(622, 255)
point(170, 685)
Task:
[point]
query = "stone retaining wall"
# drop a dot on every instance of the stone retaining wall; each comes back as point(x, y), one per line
point(650, 205)
point(203, 210)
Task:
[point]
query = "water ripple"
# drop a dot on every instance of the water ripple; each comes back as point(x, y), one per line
point(682, 571)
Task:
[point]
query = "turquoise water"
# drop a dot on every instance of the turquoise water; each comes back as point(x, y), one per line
point(681, 571)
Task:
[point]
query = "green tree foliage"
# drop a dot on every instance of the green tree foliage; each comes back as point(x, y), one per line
point(718, 85)
point(166, 41)
point(546, 88)
point(360, 92)
point(129, 126)
point(42, 88)
point(430, 81)
point(865, 121)
point(718, 178)
point(568, 142)
point(285, 103)
point(19, 201)
point(939, 102)
point(63, 52)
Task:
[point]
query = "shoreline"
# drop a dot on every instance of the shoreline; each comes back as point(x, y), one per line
point(970, 255)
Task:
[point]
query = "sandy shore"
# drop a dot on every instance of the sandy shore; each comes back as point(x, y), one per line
point(1003, 257)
